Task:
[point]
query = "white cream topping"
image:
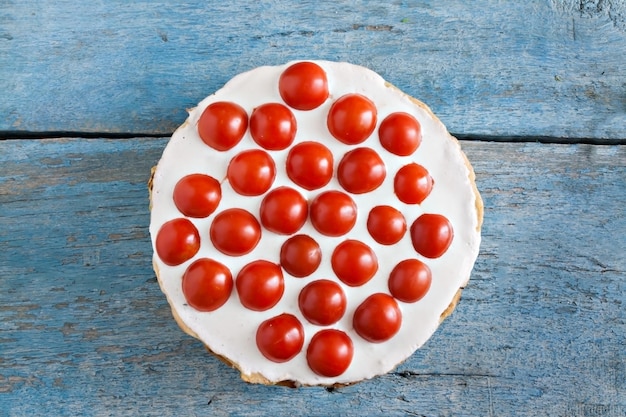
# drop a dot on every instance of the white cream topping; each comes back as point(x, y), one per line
point(230, 330)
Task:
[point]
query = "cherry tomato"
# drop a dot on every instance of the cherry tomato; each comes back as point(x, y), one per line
point(352, 119)
point(273, 126)
point(386, 225)
point(303, 86)
point(400, 133)
point(412, 184)
point(177, 241)
point(322, 302)
point(283, 211)
point(207, 284)
point(300, 255)
point(260, 285)
point(354, 262)
point(333, 213)
point(222, 125)
point(361, 171)
point(197, 195)
point(378, 318)
point(310, 165)
point(410, 280)
point(330, 352)
point(280, 338)
point(235, 232)
point(431, 235)
point(251, 172)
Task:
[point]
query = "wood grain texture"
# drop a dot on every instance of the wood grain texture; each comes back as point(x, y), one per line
point(84, 329)
point(554, 68)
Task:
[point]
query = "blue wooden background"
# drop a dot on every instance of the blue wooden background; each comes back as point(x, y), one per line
point(90, 91)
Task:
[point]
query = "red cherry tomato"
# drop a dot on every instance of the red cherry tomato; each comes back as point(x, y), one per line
point(400, 133)
point(177, 241)
point(310, 165)
point(410, 280)
point(260, 285)
point(283, 211)
point(251, 172)
point(361, 171)
point(352, 119)
point(207, 284)
point(322, 302)
point(222, 125)
point(303, 86)
point(354, 262)
point(300, 255)
point(412, 184)
point(330, 353)
point(386, 225)
point(197, 195)
point(235, 232)
point(333, 213)
point(280, 338)
point(273, 126)
point(431, 235)
point(378, 318)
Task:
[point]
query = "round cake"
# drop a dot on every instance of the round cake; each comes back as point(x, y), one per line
point(312, 224)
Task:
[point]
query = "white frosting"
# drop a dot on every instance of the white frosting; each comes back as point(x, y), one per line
point(230, 330)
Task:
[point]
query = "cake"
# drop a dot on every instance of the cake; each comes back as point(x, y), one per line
point(312, 224)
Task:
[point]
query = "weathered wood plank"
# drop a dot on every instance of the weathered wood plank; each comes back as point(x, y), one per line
point(534, 68)
point(84, 329)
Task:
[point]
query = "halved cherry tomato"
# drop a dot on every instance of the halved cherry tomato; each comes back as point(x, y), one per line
point(260, 285)
point(280, 338)
point(431, 235)
point(222, 125)
point(303, 86)
point(207, 284)
point(412, 184)
point(378, 318)
point(330, 352)
point(300, 255)
point(322, 302)
point(361, 170)
point(386, 225)
point(400, 133)
point(410, 280)
point(235, 232)
point(197, 195)
point(251, 172)
point(310, 165)
point(177, 241)
point(273, 126)
point(283, 211)
point(352, 118)
point(354, 262)
point(333, 213)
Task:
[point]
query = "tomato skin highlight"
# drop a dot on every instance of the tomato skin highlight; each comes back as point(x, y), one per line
point(260, 285)
point(378, 318)
point(197, 195)
point(177, 241)
point(431, 235)
point(412, 184)
point(361, 170)
point(251, 172)
point(400, 133)
point(273, 126)
point(303, 86)
point(386, 225)
point(410, 280)
point(207, 284)
point(235, 232)
point(352, 119)
point(330, 352)
point(354, 262)
point(333, 213)
point(322, 302)
point(280, 338)
point(310, 165)
point(222, 125)
point(300, 256)
point(283, 211)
